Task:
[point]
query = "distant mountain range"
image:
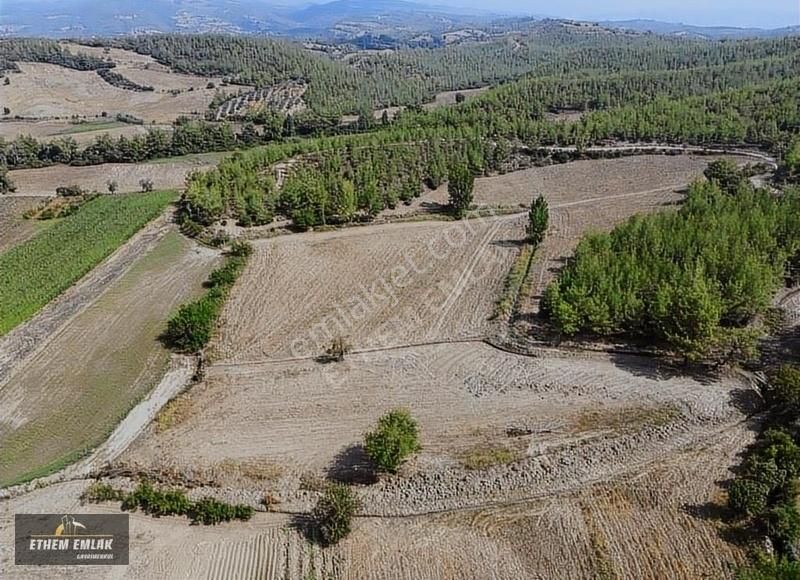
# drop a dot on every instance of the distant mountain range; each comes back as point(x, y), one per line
point(340, 19)
point(710, 32)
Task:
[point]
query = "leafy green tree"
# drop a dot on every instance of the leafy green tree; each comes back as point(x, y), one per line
point(792, 160)
point(538, 220)
point(333, 514)
point(771, 569)
point(460, 185)
point(783, 388)
point(394, 439)
point(748, 497)
point(783, 524)
point(726, 174)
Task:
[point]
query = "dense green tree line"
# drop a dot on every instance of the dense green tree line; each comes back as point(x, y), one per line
point(13, 50)
point(390, 163)
point(693, 278)
point(414, 76)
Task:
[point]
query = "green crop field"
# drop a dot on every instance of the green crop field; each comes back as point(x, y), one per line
point(35, 272)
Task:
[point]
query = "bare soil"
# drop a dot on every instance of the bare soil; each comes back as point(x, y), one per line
point(46, 91)
point(169, 174)
point(15, 229)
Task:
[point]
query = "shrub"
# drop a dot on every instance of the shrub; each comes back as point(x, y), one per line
point(333, 514)
point(783, 524)
point(99, 492)
point(69, 191)
point(241, 249)
point(395, 438)
point(337, 349)
point(748, 497)
point(146, 184)
point(209, 511)
point(771, 569)
point(156, 502)
point(784, 387)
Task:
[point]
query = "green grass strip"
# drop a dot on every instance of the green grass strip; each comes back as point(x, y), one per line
point(37, 271)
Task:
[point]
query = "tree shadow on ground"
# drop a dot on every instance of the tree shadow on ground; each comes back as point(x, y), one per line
point(508, 243)
point(353, 466)
point(305, 525)
point(657, 369)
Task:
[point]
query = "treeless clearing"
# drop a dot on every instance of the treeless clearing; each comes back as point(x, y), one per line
point(46, 90)
point(97, 365)
point(307, 416)
point(82, 133)
point(649, 525)
point(167, 174)
point(377, 286)
point(449, 97)
point(13, 227)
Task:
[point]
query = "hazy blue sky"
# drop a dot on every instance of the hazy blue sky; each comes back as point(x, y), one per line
point(767, 13)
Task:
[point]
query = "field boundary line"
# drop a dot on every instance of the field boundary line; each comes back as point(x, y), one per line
point(26, 341)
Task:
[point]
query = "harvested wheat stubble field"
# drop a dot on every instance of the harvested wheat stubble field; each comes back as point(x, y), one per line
point(164, 175)
point(82, 133)
point(648, 525)
point(15, 229)
point(47, 90)
point(600, 415)
point(67, 397)
point(377, 286)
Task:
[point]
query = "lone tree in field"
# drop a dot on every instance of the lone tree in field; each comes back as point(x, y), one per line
point(112, 186)
point(538, 220)
point(459, 186)
point(333, 515)
point(393, 440)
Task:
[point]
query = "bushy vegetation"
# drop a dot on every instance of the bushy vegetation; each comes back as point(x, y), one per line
point(191, 327)
point(394, 439)
point(332, 516)
point(460, 183)
point(538, 221)
point(771, 569)
point(100, 492)
point(170, 502)
point(692, 279)
point(41, 268)
point(764, 494)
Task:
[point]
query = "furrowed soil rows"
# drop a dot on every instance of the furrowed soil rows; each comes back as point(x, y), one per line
point(652, 524)
point(67, 398)
point(307, 417)
point(378, 286)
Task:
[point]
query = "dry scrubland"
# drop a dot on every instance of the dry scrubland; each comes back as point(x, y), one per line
point(45, 90)
point(165, 174)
